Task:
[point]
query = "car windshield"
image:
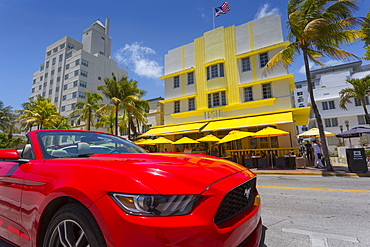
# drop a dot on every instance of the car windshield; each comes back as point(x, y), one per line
point(58, 144)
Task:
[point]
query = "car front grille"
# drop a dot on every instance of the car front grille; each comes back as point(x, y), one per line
point(236, 201)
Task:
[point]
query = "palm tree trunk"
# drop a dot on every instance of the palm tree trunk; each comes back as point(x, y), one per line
point(367, 118)
point(88, 121)
point(116, 121)
point(324, 145)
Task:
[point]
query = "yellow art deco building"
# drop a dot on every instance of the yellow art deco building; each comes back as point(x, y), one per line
point(215, 84)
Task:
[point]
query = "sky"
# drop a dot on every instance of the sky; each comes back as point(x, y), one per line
point(142, 33)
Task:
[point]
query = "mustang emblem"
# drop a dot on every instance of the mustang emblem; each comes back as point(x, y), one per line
point(247, 192)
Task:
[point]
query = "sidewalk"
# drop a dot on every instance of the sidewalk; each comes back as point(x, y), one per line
point(339, 170)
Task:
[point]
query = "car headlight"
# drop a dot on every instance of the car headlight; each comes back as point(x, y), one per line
point(155, 205)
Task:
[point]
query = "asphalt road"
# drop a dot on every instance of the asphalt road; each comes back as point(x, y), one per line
point(315, 211)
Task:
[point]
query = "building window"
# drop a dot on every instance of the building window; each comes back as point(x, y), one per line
point(45, 84)
point(66, 77)
point(358, 102)
point(57, 89)
point(176, 106)
point(81, 95)
point(73, 106)
point(83, 73)
point(47, 64)
point(75, 83)
point(58, 79)
point(67, 66)
point(62, 46)
point(299, 93)
point(69, 55)
point(65, 87)
point(52, 72)
point(33, 90)
point(361, 119)
point(83, 84)
point(63, 108)
point(54, 61)
point(76, 72)
point(74, 94)
point(64, 97)
point(56, 99)
point(266, 91)
point(41, 78)
point(216, 99)
point(191, 104)
point(55, 49)
point(215, 71)
point(299, 86)
point(328, 105)
point(51, 82)
point(40, 87)
point(304, 128)
point(43, 94)
point(331, 122)
point(85, 63)
point(77, 62)
point(34, 81)
point(264, 58)
point(50, 91)
point(246, 64)
point(42, 68)
point(48, 53)
point(99, 78)
point(300, 100)
point(60, 57)
point(70, 46)
point(176, 81)
point(59, 69)
point(46, 75)
point(190, 78)
point(248, 94)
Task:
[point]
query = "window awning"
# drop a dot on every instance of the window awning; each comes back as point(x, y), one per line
point(249, 121)
point(176, 129)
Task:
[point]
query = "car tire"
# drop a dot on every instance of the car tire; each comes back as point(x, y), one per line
point(73, 223)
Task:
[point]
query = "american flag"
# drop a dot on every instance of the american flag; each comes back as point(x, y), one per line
point(223, 9)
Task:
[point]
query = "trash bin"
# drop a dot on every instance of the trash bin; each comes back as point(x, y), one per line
point(356, 160)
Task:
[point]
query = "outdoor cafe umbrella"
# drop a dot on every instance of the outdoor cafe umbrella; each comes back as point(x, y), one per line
point(314, 132)
point(185, 140)
point(354, 132)
point(235, 135)
point(160, 140)
point(209, 138)
point(270, 132)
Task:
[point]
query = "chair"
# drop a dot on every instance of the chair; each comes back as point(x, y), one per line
point(280, 162)
point(83, 148)
point(248, 163)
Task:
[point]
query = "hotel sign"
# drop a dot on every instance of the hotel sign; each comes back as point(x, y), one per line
point(213, 114)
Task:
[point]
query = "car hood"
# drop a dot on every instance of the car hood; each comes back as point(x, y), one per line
point(170, 172)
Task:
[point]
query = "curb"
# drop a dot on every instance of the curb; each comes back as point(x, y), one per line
point(326, 174)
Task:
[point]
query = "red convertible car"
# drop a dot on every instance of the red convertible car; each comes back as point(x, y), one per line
point(83, 188)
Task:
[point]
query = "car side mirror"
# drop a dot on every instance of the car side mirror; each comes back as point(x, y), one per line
point(9, 154)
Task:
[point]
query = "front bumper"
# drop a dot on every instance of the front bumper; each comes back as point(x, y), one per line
point(195, 229)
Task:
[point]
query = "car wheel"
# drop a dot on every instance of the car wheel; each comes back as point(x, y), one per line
point(73, 225)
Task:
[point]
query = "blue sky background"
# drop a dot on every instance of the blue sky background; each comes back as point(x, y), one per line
point(142, 32)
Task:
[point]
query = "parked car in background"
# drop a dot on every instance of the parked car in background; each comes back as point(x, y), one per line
point(84, 188)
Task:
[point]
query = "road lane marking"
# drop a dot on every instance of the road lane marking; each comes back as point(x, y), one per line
point(317, 189)
point(319, 239)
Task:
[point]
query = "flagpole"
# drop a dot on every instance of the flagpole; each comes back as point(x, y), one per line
point(213, 16)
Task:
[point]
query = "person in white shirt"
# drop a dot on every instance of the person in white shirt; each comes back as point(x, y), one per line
point(317, 153)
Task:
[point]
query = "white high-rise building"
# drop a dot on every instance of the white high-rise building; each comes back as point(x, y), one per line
point(71, 67)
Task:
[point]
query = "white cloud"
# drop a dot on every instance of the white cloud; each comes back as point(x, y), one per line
point(264, 11)
point(140, 59)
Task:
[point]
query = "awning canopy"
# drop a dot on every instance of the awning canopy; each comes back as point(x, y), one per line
point(175, 129)
point(279, 118)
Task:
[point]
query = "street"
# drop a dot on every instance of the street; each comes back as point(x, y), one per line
point(315, 211)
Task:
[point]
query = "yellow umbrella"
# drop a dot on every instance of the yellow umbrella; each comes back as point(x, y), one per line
point(314, 132)
point(235, 135)
point(139, 141)
point(160, 140)
point(185, 140)
point(209, 138)
point(269, 132)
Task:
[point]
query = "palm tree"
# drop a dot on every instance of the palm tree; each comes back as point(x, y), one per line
point(361, 89)
point(60, 123)
point(40, 112)
point(86, 109)
point(6, 116)
point(318, 28)
point(112, 90)
point(106, 120)
point(125, 95)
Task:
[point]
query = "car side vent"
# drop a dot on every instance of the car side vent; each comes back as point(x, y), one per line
point(236, 201)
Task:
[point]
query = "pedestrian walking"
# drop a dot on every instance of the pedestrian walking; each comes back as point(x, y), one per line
point(317, 153)
point(308, 146)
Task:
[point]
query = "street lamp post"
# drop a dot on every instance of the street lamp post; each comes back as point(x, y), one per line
point(346, 122)
point(341, 131)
